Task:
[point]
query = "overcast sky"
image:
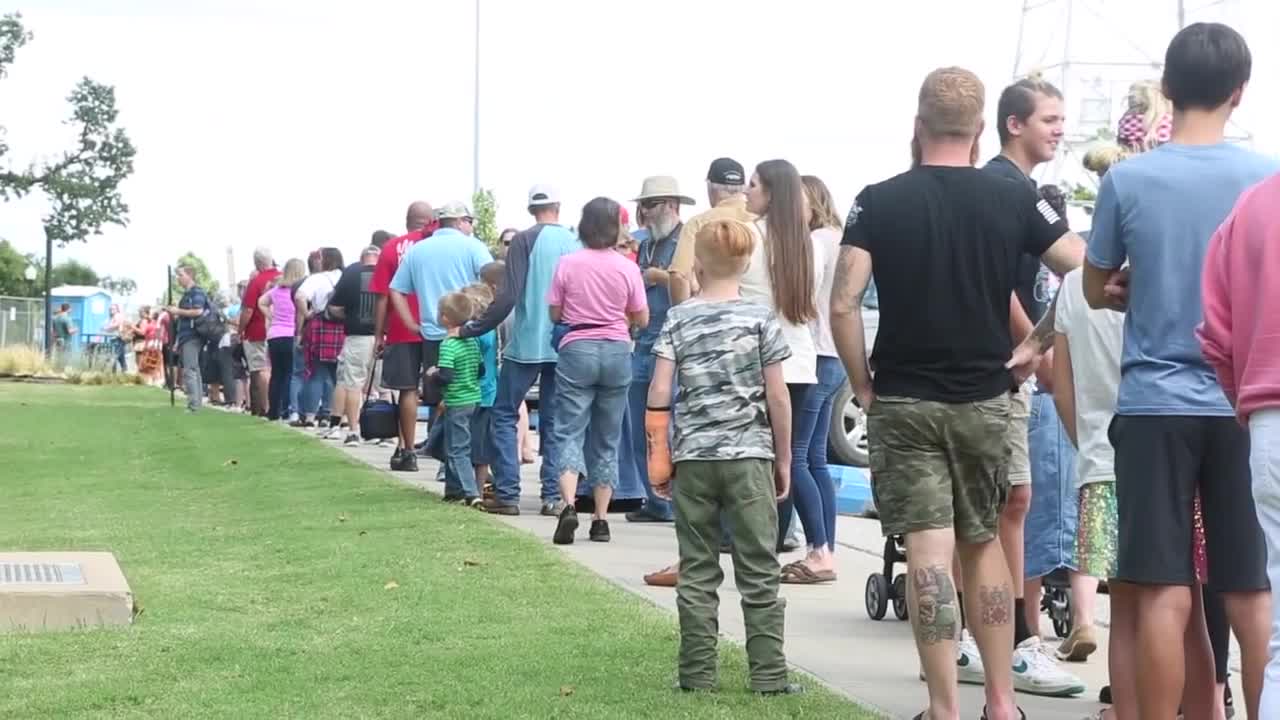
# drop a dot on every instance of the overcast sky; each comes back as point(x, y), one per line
point(296, 124)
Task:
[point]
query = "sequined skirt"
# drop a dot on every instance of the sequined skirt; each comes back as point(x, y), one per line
point(1097, 533)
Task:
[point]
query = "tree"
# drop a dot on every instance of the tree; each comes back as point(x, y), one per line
point(120, 287)
point(74, 272)
point(485, 208)
point(82, 184)
point(13, 269)
point(204, 278)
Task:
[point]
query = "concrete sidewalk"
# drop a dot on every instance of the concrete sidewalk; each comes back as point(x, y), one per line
point(829, 634)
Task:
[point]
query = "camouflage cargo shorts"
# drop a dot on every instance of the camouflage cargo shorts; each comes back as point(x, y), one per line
point(939, 465)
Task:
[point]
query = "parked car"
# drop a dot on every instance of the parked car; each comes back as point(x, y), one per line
point(848, 443)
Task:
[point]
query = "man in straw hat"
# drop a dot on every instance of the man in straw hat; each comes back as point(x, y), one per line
point(658, 213)
point(952, 228)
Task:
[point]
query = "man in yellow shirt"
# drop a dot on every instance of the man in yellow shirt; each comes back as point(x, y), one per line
point(726, 188)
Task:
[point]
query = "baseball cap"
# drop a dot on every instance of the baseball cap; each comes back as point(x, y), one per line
point(543, 194)
point(726, 171)
point(453, 210)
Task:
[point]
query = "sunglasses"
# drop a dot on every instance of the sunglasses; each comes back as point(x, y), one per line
point(652, 203)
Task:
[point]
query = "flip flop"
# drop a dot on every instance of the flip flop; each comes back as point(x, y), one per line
point(801, 574)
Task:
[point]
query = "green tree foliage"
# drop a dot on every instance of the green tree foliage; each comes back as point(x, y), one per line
point(485, 208)
point(13, 268)
point(120, 287)
point(82, 185)
point(74, 272)
point(204, 278)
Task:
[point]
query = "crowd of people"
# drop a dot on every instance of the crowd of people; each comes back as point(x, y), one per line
point(1036, 402)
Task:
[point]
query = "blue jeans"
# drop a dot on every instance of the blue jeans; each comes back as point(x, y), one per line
point(1055, 509)
point(297, 381)
point(811, 485)
point(592, 379)
point(787, 508)
point(633, 451)
point(118, 347)
point(514, 381)
point(192, 383)
point(318, 389)
point(460, 474)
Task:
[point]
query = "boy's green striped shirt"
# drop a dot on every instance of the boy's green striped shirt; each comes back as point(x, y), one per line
point(462, 355)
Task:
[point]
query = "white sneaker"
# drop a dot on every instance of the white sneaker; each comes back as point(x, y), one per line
point(293, 417)
point(969, 668)
point(1036, 672)
point(968, 661)
point(335, 434)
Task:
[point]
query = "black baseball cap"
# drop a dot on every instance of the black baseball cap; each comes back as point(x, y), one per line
point(726, 171)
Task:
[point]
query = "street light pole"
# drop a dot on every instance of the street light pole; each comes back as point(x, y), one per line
point(48, 307)
point(475, 115)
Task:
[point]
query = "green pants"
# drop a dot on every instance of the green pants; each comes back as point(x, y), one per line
point(743, 490)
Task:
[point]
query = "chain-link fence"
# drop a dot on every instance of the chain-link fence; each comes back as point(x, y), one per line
point(21, 321)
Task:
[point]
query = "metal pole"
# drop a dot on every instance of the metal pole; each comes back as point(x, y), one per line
point(48, 296)
point(475, 130)
point(1182, 14)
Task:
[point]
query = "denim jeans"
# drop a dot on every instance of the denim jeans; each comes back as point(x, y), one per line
point(592, 379)
point(297, 381)
point(1264, 461)
point(281, 353)
point(189, 351)
point(787, 508)
point(811, 485)
point(514, 381)
point(318, 389)
point(460, 474)
point(118, 347)
point(633, 451)
point(1052, 520)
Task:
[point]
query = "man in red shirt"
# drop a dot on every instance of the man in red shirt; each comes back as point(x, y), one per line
point(401, 347)
point(253, 330)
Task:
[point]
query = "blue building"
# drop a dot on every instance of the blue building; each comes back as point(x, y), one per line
point(90, 310)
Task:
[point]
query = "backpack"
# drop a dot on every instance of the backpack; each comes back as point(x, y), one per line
point(211, 325)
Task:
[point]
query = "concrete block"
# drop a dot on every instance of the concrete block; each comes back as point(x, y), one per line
point(42, 591)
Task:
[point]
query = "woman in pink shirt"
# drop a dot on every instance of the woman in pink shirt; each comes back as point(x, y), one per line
point(596, 296)
point(276, 304)
point(1240, 337)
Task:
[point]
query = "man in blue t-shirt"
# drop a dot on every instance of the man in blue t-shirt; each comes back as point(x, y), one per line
point(527, 355)
point(193, 304)
point(1174, 432)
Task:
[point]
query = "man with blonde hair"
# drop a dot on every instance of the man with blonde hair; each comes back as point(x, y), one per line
point(939, 404)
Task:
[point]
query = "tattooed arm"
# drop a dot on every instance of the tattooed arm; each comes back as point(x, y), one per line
point(853, 274)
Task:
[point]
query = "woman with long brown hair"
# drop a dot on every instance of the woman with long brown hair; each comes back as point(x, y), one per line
point(782, 276)
point(812, 488)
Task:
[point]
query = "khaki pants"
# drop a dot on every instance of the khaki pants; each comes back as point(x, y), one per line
point(743, 490)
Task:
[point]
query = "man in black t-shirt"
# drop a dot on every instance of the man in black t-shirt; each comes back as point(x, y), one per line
point(939, 406)
point(354, 305)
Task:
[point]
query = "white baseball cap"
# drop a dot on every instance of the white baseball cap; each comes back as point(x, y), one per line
point(543, 194)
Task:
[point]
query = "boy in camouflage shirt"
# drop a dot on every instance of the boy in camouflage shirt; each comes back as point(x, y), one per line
point(728, 458)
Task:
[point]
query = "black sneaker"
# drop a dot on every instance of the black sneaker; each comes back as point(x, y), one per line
point(788, 689)
point(302, 424)
point(566, 526)
point(352, 439)
point(408, 462)
point(322, 422)
point(599, 531)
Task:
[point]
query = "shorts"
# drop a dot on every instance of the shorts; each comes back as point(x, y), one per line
point(432, 391)
point(939, 465)
point(482, 450)
point(1049, 532)
point(1161, 462)
point(255, 356)
point(402, 366)
point(1096, 531)
point(1018, 464)
point(355, 362)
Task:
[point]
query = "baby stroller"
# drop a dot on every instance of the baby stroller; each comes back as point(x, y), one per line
point(884, 587)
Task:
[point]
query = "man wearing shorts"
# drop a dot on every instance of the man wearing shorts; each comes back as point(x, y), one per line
point(1175, 434)
point(398, 344)
point(253, 330)
point(354, 304)
point(939, 407)
point(431, 270)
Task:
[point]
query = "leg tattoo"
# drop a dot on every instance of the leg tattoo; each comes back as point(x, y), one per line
point(935, 611)
point(995, 602)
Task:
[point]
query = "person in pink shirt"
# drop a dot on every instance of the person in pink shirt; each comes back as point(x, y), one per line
point(596, 296)
point(1240, 337)
point(277, 309)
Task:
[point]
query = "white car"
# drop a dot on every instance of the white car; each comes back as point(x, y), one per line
point(848, 442)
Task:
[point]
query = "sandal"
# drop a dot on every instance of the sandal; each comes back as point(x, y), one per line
point(800, 574)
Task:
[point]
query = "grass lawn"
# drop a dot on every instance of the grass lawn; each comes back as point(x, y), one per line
point(278, 579)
